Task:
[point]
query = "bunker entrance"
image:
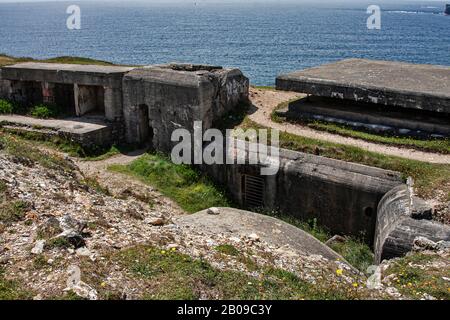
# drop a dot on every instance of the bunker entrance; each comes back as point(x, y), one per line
point(145, 131)
point(64, 98)
point(89, 100)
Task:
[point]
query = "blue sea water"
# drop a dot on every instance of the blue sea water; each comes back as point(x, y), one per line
point(263, 39)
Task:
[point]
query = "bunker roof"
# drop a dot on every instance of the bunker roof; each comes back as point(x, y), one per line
point(384, 82)
point(69, 67)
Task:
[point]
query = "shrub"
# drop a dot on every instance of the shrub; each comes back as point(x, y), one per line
point(44, 111)
point(6, 107)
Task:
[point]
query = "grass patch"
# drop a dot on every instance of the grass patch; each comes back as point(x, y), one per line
point(12, 211)
point(172, 275)
point(93, 184)
point(8, 60)
point(11, 290)
point(25, 152)
point(58, 243)
point(353, 250)
point(186, 186)
point(432, 145)
point(72, 148)
point(44, 111)
point(418, 274)
point(77, 60)
point(3, 187)
point(270, 88)
point(6, 107)
point(228, 249)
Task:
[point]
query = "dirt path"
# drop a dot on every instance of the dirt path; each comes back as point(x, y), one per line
point(266, 101)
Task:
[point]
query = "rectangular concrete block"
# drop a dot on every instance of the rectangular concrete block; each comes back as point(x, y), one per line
point(414, 86)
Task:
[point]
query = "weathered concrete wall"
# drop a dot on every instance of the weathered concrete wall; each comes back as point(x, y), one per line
point(5, 87)
point(414, 86)
point(342, 196)
point(401, 219)
point(176, 96)
point(88, 99)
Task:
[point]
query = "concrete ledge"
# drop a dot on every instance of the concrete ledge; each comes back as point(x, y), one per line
point(424, 87)
point(89, 132)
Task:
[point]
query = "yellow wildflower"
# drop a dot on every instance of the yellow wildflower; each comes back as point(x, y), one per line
point(339, 272)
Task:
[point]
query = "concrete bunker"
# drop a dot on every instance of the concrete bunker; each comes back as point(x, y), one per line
point(145, 105)
point(380, 96)
point(177, 95)
point(341, 196)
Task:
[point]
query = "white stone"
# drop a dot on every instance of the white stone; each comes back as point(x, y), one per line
point(38, 247)
point(213, 211)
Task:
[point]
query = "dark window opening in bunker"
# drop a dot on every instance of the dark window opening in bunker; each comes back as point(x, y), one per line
point(253, 190)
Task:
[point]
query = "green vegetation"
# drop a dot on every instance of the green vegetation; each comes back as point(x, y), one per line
point(93, 184)
point(172, 275)
point(7, 60)
point(3, 188)
point(72, 148)
point(45, 111)
point(412, 280)
point(77, 60)
point(228, 249)
point(40, 262)
point(431, 145)
point(11, 290)
point(58, 243)
point(271, 88)
point(186, 186)
point(354, 250)
point(6, 107)
point(28, 154)
point(12, 211)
